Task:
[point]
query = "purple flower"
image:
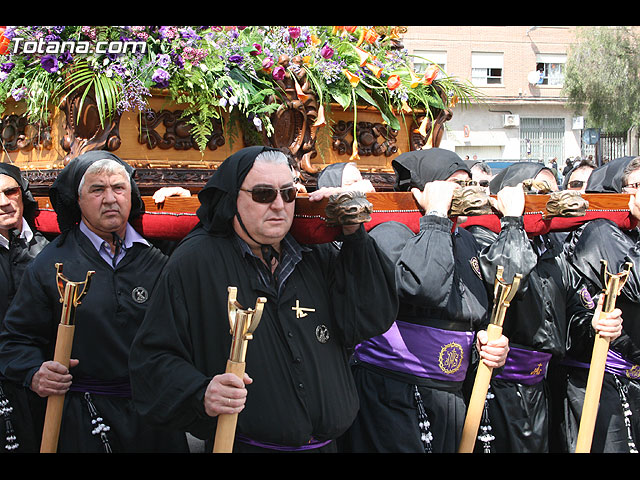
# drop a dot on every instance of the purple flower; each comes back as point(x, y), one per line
point(326, 51)
point(65, 57)
point(278, 73)
point(236, 58)
point(294, 32)
point(257, 49)
point(267, 63)
point(49, 63)
point(164, 60)
point(19, 93)
point(7, 67)
point(161, 78)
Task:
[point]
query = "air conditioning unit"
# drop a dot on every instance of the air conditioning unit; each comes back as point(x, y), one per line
point(511, 120)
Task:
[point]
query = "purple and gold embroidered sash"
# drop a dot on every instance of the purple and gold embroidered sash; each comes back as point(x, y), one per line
point(616, 365)
point(420, 350)
point(525, 366)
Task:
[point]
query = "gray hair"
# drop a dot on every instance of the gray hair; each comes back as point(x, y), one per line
point(106, 165)
point(272, 157)
point(631, 167)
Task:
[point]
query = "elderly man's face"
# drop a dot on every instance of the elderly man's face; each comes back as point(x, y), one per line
point(11, 206)
point(267, 223)
point(105, 202)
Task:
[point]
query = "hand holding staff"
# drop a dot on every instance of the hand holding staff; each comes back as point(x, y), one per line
point(243, 324)
point(502, 295)
point(612, 287)
point(70, 299)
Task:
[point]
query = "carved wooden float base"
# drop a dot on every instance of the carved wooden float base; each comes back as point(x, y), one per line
point(173, 219)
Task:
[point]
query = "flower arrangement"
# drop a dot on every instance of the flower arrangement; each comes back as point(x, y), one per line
point(213, 69)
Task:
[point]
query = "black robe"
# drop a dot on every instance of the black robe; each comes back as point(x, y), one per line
point(602, 239)
point(403, 376)
point(302, 388)
point(617, 427)
point(105, 324)
point(550, 298)
point(23, 420)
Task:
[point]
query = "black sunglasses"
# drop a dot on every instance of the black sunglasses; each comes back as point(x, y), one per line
point(12, 191)
point(471, 183)
point(269, 194)
point(575, 184)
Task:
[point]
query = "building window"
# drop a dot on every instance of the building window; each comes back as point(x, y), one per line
point(551, 68)
point(541, 139)
point(486, 68)
point(423, 58)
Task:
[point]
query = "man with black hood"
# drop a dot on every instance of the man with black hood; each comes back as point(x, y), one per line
point(20, 242)
point(298, 393)
point(94, 197)
point(550, 298)
point(410, 378)
point(617, 427)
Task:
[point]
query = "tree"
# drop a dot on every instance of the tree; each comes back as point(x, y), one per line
point(602, 77)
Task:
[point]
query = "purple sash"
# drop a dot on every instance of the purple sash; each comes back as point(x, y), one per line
point(419, 350)
point(616, 365)
point(525, 366)
point(114, 388)
point(282, 448)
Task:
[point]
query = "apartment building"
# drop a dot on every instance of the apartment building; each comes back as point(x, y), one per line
point(523, 113)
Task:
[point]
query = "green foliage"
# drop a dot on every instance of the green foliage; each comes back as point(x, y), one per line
point(216, 70)
point(602, 77)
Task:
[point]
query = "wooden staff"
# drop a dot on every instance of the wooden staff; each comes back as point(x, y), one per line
point(70, 299)
point(502, 295)
point(243, 324)
point(612, 287)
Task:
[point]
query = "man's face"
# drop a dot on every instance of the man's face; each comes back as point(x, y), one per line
point(105, 202)
point(547, 176)
point(267, 223)
point(578, 179)
point(11, 206)
point(632, 180)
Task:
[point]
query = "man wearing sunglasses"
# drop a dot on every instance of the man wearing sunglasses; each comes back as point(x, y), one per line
point(20, 242)
point(297, 393)
point(578, 176)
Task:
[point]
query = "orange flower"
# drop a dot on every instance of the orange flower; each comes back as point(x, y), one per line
point(350, 29)
point(303, 97)
point(315, 41)
point(337, 30)
point(393, 82)
point(454, 101)
point(354, 156)
point(4, 41)
point(415, 80)
point(376, 70)
point(430, 74)
point(370, 36)
point(364, 56)
point(320, 120)
point(353, 78)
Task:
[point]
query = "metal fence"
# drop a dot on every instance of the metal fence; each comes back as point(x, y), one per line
point(613, 145)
